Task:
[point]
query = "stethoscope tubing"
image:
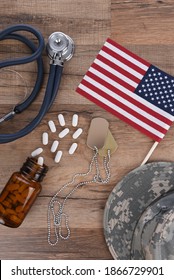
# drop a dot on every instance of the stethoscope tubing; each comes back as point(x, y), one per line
point(52, 84)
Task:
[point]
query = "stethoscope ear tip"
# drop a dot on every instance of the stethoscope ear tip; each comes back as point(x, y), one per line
point(60, 48)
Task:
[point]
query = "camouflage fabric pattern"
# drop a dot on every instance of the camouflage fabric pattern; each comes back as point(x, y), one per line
point(153, 236)
point(130, 202)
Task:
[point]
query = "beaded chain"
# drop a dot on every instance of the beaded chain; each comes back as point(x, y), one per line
point(56, 208)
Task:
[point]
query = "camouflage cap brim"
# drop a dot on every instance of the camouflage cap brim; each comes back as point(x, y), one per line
point(153, 237)
point(129, 199)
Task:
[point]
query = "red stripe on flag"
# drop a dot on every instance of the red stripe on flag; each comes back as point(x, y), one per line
point(124, 107)
point(108, 85)
point(107, 108)
point(117, 68)
point(128, 52)
point(113, 77)
point(128, 98)
point(124, 60)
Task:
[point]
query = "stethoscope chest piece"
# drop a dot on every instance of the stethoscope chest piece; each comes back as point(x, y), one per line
point(60, 48)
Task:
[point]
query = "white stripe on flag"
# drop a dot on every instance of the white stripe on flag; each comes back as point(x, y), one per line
point(121, 111)
point(120, 64)
point(125, 55)
point(127, 103)
point(116, 73)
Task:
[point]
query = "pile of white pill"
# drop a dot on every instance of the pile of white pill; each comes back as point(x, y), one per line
point(55, 144)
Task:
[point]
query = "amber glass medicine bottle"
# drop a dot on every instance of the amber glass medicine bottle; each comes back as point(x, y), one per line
point(20, 192)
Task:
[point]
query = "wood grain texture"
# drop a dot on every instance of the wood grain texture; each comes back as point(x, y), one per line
point(140, 22)
point(143, 27)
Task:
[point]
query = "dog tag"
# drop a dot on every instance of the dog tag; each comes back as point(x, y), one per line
point(110, 144)
point(98, 132)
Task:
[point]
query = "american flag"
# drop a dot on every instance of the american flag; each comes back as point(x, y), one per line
point(132, 89)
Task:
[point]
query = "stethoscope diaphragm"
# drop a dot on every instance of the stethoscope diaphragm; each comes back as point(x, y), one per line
point(60, 48)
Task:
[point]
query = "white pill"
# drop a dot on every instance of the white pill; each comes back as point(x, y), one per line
point(52, 126)
point(40, 160)
point(36, 152)
point(61, 120)
point(54, 146)
point(77, 133)
point(64, 132)
point(58, 156)
point(73, 148)
point(45, 138)
point(75, 120)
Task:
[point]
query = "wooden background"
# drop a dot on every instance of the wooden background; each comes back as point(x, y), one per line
point(145, 27)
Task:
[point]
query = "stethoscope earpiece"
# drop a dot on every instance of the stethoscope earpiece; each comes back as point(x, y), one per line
point(60, 48)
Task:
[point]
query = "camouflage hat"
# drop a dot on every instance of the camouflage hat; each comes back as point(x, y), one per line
point(139, 214)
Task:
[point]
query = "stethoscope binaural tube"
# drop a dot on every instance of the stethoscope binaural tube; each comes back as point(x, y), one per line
point(60, 48)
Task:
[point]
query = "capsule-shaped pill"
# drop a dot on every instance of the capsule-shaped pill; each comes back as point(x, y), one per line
point(20, 198)
point(25, 193)
point(52, 126)
point(36, 152)
point(54, 146)
point(10, 211)
point(3, 195)
point(15, 219)
point(40, 160)
point(19, 209)
point(2, 209)
point(61, 120)
point(75, 120)
point(22, 188)
point(63, 133)
point(58, 156)
point(73, 148)
point(77, 133)
point(6, 203)
point(45, 138)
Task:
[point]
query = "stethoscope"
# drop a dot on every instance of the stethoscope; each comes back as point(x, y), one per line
point(60, 48)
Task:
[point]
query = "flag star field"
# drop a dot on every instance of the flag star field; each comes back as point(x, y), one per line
point(158, 88)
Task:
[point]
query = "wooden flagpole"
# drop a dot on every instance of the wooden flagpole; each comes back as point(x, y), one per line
point(150, 153)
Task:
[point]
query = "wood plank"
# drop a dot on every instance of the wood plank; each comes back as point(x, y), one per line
point(88, 23)
point(84, 244)
point(137, 22)
point(85, 221)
